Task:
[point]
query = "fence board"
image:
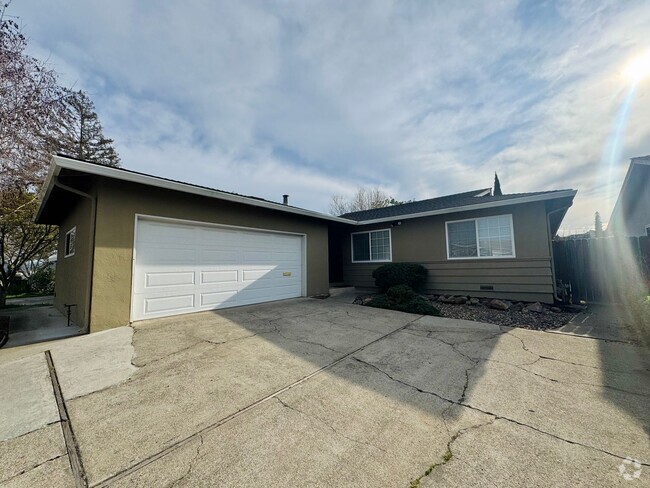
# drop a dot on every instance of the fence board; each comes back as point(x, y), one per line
point(601, 269)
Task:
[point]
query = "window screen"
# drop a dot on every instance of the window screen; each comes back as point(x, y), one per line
point(462, 239)
point(486, 237)
point(371, 246)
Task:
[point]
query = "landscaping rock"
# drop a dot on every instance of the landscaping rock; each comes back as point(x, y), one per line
point(556, 309)
point(517, 307)
point(497, 304)
point(459, 300)
point(575, 308)
point(534, 307)
point(474, 301)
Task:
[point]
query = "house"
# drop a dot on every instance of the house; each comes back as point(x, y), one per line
point(631, 214)
point(134, 246)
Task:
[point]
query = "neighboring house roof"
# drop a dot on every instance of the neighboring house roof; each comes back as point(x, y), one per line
point(453, 203)
point(472, 200)
point(633, 200)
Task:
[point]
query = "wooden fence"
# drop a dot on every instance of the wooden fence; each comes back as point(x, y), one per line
point(602, 269)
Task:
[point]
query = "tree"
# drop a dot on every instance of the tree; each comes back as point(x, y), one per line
point(81, 135)
point(598, 225)
point(21, 240)
point(30, 109)
point(363, 199)
point(497, 186)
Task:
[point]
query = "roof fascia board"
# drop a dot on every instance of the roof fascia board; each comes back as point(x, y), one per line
point(59, 162)
point(477, 206)
point(47, 189)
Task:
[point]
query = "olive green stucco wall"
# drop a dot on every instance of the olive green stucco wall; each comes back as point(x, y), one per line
point(117, 205)
point(423, 240)
point(73, 272)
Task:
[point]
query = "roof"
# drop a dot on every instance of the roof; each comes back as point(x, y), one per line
point(638, 164)
point(60, 162)
point(460, 202)
point(457, 202)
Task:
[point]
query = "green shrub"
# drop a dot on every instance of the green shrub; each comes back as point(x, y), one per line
point(42, 281)
point(401, 293)
point(393, 274)
point(403, 299)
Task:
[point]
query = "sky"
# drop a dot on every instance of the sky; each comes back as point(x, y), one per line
point(419, 98)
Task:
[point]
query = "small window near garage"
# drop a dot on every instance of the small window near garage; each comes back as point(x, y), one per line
point(373, 246)
point(486, 237)
point(70, 238)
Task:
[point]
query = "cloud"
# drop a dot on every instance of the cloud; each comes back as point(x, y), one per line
point(316, 98)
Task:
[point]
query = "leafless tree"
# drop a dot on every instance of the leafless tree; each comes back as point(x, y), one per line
point(363, 199)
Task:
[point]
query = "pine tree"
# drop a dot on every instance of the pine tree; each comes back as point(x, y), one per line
point(497, 186)
point(598, 225)
point(81, 134)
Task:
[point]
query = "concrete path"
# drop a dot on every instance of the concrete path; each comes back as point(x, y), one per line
point(324, 393)
point(30, 324)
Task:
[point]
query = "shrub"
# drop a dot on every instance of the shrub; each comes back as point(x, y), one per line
point(393, 274)
point(403, 299)
point(401, 293)
point(42, 281)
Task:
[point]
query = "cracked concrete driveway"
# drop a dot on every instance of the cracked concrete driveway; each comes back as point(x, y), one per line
point(325, 393)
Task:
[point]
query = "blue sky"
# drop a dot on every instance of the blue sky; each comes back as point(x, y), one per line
point(316, 98)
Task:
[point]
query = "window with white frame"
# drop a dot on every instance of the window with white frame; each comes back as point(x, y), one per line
point(371, 246)
point(485, 237)
point(70, 238)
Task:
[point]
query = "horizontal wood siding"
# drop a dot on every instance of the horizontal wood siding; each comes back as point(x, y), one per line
point(527, 280)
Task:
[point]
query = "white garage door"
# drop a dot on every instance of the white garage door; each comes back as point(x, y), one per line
point(183, 268)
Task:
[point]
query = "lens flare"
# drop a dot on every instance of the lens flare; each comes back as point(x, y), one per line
point(639, 68)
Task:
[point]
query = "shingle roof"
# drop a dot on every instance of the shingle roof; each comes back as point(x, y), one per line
point(439, 203)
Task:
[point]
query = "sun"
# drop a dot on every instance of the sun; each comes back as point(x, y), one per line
point(638, 68)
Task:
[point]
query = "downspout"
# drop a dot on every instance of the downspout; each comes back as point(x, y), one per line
point(550, 248)
point(91, 244)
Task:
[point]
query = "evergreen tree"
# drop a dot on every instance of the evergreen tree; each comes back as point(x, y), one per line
point(598, 225)
point(497, 186)
point(81, 134)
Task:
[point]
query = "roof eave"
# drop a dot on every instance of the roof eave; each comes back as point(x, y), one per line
point(59, 162)
point(477, 206)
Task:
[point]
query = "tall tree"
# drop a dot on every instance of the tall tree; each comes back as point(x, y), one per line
point(497, 186)
point(81, 135)
point(363, 199)
point(598, 225)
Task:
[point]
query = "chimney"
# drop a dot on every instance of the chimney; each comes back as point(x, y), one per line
point(285, 199)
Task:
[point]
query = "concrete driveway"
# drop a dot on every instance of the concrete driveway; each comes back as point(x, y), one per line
point(324, 393)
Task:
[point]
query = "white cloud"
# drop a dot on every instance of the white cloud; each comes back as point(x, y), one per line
point(315, 98)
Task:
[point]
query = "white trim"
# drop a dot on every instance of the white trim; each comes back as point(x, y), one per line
point(59, 162)
point(477, 206)
point(174, 220)
point(65, 242)
point(390, 246)
point(484, 193)
point(478, 250)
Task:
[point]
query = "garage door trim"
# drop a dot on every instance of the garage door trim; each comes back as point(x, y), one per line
point(200, 223)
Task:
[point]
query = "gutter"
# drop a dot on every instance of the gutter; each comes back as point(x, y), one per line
point(91, 244)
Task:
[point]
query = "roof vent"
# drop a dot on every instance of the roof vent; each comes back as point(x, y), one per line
point(285, 199)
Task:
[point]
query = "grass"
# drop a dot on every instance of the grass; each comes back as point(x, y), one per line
point(28, 295)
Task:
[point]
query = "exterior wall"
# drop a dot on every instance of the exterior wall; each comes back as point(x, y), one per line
point(527, 277)
point(633, 215)
point(118, 203)
point(73, 273)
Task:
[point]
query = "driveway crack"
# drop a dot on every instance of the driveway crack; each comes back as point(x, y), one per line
point(328, 425)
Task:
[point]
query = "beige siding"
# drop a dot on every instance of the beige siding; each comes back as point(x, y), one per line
point(119, 202)
point(72, 273)
point(526, 277)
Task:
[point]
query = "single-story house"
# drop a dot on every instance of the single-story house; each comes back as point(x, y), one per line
point(631, 214)
point(134, 246)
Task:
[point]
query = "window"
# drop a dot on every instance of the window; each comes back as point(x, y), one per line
point(647, 230)
point(487, 237)
point(70, 238)
point(371, 246)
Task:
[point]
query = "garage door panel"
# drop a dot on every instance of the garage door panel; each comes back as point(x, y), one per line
point(184, 268)
point(169, 303)
point(169, 278)
point(220, 276)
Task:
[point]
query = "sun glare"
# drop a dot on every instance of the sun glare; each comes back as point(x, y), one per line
point(638, 68)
